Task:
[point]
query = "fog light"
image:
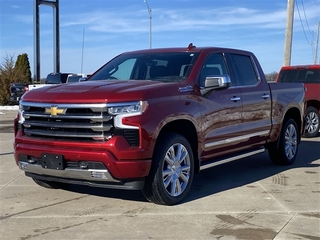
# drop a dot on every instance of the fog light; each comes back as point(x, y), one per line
point(83, 165)
point(32, 160)
point(23, 165)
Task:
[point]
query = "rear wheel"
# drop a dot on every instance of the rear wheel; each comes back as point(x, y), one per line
point(312, 122)
point(285, 150)
point(172, 171)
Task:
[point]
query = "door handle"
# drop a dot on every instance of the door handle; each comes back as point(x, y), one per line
point(235, 99)
point(265, 96)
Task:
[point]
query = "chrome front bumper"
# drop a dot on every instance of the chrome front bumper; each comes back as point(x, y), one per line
point(89, 177)
point(81, 174)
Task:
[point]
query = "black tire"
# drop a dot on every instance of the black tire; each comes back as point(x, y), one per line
point(47, 184)
point(285, 150)
point(312, 122)
point(172, 171)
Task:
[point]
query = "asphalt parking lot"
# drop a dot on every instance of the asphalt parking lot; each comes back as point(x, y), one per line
point(246, 199)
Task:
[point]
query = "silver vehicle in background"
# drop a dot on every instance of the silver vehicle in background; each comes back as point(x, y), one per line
point(72, 78)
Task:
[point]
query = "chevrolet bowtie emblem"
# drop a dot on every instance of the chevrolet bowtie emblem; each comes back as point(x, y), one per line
point(54, 111)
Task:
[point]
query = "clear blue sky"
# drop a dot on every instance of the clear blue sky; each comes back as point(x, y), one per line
point(114, 26)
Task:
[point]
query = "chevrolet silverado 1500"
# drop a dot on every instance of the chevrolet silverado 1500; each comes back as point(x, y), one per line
point(151, 119)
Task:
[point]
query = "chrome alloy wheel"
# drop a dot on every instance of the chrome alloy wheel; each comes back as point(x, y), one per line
point(291, 141)
point(312, 122)
point(176, 170)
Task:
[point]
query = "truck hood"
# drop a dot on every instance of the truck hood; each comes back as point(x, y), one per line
point(100, 91)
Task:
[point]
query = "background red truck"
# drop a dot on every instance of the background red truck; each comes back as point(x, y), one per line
point(309, 75)
point(151, 119)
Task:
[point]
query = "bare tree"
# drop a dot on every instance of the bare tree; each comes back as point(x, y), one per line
point(271, 77)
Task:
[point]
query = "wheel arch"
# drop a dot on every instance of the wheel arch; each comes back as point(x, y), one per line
point(292, 113)
point(295, 114)
point(313, 103)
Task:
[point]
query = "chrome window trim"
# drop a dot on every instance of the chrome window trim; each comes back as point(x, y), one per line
point(255, 68)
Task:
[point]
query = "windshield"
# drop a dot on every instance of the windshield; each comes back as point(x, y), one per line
point(300, 75)
point(167, 67)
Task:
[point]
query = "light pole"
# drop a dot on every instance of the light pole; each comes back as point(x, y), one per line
point(288, 34)
point(150, 20)
point(316, 48)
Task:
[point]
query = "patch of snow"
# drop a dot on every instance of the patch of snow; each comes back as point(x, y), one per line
point(15, 107)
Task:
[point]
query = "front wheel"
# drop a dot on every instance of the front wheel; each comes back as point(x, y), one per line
point(285, 150)
point(172, 170)
point(312, 122)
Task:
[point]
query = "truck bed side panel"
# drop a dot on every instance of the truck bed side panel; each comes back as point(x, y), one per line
point(284, 97)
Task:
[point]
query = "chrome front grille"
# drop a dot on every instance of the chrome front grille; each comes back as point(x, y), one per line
point(75, 122)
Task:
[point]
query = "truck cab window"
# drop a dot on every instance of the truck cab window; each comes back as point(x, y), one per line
point(245, 72)
point(214, 65)
point(300, 75)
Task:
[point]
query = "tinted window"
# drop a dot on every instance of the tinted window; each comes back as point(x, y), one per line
point(73, 79)
point(300, 75)
point(167, 67)
point(53, 78)
point(57, 78)
point(244, 70)
point(63, 77)
point(214, 65)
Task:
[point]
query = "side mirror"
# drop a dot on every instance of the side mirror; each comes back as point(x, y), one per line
point(216, 82)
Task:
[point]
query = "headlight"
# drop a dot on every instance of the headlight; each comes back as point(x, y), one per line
point(20, 112)
point(134, 108)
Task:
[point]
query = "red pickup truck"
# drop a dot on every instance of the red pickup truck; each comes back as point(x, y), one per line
point(151, 119)
point(309, 75)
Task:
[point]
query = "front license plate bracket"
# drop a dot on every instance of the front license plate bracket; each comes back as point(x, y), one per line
point(52, 161)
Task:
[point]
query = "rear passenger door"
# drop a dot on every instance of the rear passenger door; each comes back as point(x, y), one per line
point(255, 97)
